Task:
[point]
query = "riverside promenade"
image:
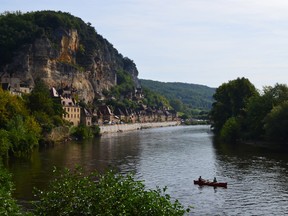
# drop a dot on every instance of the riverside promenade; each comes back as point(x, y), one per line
point(136, 126)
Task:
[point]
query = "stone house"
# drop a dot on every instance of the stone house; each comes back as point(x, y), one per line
point(72, 111)
point(119, 114)
point(161, 117)
point(168, 115)
point(138, 94)
point(86, 117)
point(105, 115)
point(15, 85)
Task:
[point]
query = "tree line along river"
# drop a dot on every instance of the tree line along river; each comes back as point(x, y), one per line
point(173, 157)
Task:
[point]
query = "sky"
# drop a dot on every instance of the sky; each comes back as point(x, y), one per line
point(207, 42)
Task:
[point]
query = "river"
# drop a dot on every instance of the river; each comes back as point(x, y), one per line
point(173, 157)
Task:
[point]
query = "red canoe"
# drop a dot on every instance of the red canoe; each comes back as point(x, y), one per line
point(209, 183)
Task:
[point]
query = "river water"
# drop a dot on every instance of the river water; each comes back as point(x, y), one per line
point(173, 157)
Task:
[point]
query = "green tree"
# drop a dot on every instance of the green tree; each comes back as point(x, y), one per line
point(72, 193)
point(46, 110)
point(259, 106)
point(176, 104)
point(230, 130)
point(230, 101)
point(39, 100)
point(257, 109)
point(125, 85)
point(24, 135)
point(154, 99)
point(277, 94)
point(5, 143)
point(276, 123)
point(10, 106)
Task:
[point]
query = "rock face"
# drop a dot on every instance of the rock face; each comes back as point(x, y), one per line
point(57, 63)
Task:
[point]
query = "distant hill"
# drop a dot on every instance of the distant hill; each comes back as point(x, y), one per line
point(192, 95)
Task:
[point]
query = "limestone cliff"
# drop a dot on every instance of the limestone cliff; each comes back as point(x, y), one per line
point(66, 55)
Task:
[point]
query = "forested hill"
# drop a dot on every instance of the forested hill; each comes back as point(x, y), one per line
point(192, 95)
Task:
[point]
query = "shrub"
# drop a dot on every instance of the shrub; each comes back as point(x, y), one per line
point(72, 193)
point(8, 205)
point(82, 132)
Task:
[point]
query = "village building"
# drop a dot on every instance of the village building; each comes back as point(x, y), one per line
point(14, 85)
point(72, 111)
point(138, 94)
point(86, 117)
point(105, 115)
point(119, 114)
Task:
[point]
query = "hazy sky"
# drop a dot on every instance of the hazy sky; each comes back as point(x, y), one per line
point(194, 41)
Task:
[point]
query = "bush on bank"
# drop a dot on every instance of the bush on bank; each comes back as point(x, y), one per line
point(8, 205)
point(84, 132)
point(72, 193)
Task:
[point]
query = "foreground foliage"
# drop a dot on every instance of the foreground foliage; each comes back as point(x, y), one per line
point(8, 205)
point(72, 193)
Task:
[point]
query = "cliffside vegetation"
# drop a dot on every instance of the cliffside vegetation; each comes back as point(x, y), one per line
point(190, 99)
point(18, 29)
point(122, 95)
point(241, 113)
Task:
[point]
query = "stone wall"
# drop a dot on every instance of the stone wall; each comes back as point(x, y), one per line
point(137, 126)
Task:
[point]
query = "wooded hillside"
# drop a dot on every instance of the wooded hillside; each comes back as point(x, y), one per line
point(191, 95)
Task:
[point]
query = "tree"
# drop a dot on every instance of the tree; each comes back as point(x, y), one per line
point(24, 135)
point(10, 106)
point(230, 130)
point(5, 143)
point(230, 101)
point(176, 104)
point(39, 100)
point(276, 123)
point(154, 99)
point(46, 110)
point(277, 94)
point(259, 106)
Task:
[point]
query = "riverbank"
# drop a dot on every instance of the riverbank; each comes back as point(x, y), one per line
point(136, 126)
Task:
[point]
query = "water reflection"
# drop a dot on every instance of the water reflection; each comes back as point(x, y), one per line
point(258, 178)
point(173, 157)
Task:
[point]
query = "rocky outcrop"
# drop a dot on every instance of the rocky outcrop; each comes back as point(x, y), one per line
point(58, 60)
